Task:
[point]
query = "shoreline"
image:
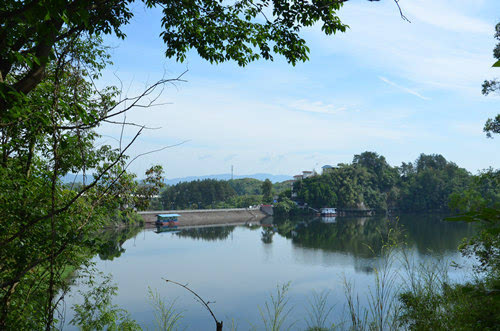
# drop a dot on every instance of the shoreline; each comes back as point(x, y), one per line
point(208, 216)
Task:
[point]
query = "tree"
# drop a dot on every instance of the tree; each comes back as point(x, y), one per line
point(492, 125)
point(267, 191)
point(242, 31)
point(475, 304)
point(51, 53)
point(202, 194)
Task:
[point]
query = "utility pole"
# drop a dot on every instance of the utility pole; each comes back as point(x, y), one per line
point(232, 168)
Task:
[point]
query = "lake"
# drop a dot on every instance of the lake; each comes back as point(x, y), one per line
point(238, 267)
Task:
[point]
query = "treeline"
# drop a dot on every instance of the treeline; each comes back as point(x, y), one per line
point(216, 194)
point(427, 185)
point(199, 194)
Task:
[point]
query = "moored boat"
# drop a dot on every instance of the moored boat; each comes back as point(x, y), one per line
point(331, 212)
point(171, 220)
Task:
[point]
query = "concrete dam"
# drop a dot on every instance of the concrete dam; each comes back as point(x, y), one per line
point(209, 216)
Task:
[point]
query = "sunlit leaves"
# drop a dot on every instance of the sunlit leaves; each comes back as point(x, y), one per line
point(244, 31)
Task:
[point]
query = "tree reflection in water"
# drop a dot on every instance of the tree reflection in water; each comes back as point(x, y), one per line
point(361, 237)
point(109, 242)
point(267, 235)
point(207, 233)
point(365, 237)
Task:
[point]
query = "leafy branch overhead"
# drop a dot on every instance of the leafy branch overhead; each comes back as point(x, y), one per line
point(241, 31)
point(492, 125)
point(51, 55)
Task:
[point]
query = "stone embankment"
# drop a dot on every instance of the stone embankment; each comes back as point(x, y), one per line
point(208, 216)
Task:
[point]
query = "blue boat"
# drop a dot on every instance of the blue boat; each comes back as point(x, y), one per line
point(170, 220)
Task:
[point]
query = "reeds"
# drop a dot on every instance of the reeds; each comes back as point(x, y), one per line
point(277, 310)
point(167, 317)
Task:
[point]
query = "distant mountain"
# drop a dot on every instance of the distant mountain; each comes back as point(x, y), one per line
point(69, 178)
point(272, 178)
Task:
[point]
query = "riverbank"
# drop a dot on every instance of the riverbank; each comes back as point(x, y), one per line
point(208, 216)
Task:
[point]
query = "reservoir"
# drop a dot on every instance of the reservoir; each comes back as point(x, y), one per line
point(237, 268)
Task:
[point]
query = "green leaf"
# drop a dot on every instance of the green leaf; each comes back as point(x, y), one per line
point(497, 64)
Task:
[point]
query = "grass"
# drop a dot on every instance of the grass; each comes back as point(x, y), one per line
point(277, 310)
point(167, 318)
point(319, 312)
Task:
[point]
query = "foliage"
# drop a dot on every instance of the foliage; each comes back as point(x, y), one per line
point(492, 125)
point(285, 208)
point(246, 186)
point(166, 316)
point(281, 187)
point(50, 109)
point(239, 201)
point(362, 184)
point(457, 307)
point(44, 222)
point(97, 311)
point(243, 31)
point(483, 192)
point(200, 194)
point(319, 312)
point(369, 182)
point(429, 185)
point(267, 192)
point(252, 186)
point(216, 194)
point(219, 32)
point(51, 53)
point(149, 188)
point(474, 305)
point(277, 311)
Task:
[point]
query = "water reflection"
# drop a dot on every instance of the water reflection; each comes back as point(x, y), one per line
point(166, 228)
point(109, 242)
point(364, 237)
point(359, 237)
point(239, 266)
point(207, 233)
point(267, 235)
point(328, 219)
point(430, 234)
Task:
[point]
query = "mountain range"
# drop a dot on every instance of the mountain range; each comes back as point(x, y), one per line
point(172, 181)
point(261, 176)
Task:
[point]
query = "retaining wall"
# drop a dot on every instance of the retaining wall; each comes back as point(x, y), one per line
point(208, 216)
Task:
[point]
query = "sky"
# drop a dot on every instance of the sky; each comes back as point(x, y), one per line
point(396, 88)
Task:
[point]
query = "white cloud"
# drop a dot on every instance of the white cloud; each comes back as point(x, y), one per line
point(271, 117)
point(315, 106)
point(445, 16)
point(405, 89)
point(444, 47)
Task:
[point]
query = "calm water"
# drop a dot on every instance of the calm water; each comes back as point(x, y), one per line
point(238, 267)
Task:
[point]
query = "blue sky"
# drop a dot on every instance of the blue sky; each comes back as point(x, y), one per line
point(385, 85)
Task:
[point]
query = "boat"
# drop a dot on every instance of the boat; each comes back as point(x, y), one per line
point(170, 220)
point(331, 212)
